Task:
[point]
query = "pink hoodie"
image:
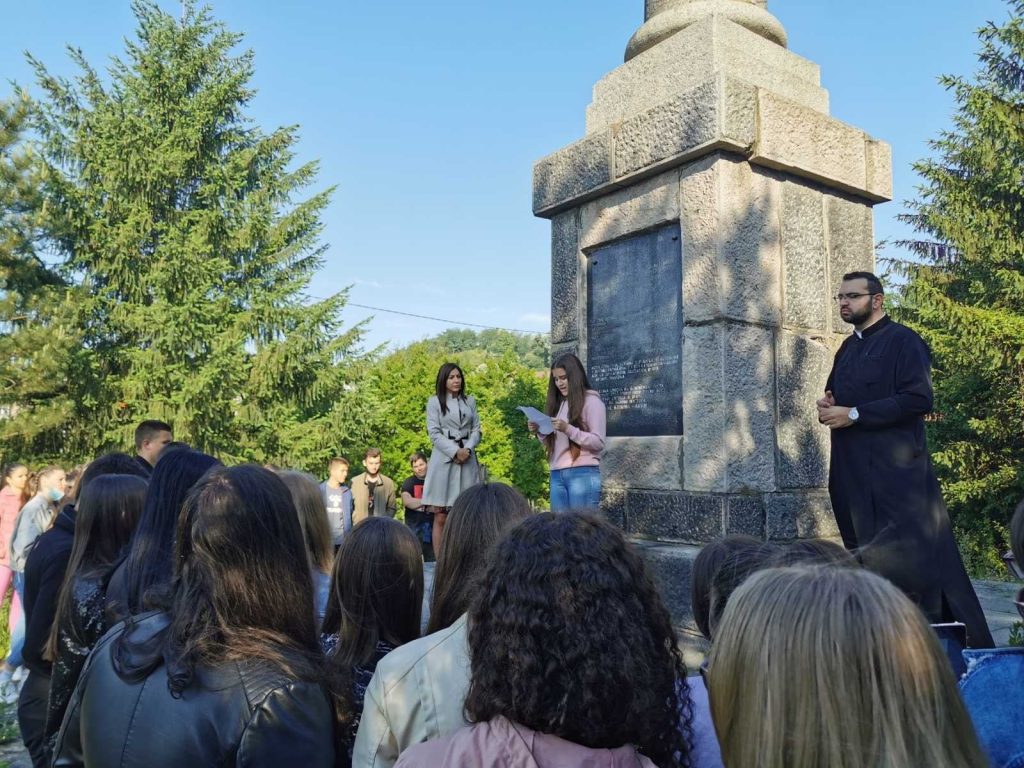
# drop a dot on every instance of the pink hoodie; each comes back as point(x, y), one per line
point(502, 743)
point(591, 442)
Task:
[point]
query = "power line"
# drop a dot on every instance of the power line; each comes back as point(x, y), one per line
point(443, 320)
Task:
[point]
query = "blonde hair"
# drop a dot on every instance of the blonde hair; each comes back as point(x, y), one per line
point(316, 528)
point(825, 666)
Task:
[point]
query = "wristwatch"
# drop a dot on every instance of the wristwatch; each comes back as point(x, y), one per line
point(854, 414)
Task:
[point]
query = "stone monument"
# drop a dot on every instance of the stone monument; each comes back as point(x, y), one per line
point(699, 230)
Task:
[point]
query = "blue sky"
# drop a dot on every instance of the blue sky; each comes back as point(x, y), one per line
point(428, 117)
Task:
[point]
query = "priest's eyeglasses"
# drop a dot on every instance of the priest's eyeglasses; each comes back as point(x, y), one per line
point(850, 296)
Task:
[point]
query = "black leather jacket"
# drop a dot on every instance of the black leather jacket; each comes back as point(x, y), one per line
point(234, 714)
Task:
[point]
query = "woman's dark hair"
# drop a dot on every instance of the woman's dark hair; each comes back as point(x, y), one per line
point(744, 559)
point(812, 552)
point(147, 567)
point(480, 515)
point(376, 591)
point(107, 511)
point(316, 528)
point(441, 390)
point(569, 636)
point(703, 571)
point(242, 589)
point(578, 386)
point(110, 464)
point(8, 470)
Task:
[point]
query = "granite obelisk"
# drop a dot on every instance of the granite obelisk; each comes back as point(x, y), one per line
point(699, 229)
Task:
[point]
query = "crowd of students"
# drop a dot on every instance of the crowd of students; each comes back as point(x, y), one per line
point(178, 612)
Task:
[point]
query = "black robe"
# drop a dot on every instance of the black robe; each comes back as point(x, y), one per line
point(884, 492)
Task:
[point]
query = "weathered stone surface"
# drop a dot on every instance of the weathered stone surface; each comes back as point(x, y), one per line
point(674, 127)
point(643, 462)
point(642, 206)
point(815, 518)
point(805, 299)
point(802, 367)
point(879, 169)
point(564, 277)
point(566, 348)
point(749, 261)
point(670, 566)
point(719, 112)
point(731, 246)
point(613, 505)
point(799, 515)
point(709, 47)
point(571, 172)
point(780, 516)
point(851, 244)
point(738, 110)
point(794, 138)
point(689, 517)
point(699, 191)
point(745, 514)
point(705, 460)
point(750, 408)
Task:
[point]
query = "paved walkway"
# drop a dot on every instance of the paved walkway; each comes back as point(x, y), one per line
point(997, 601)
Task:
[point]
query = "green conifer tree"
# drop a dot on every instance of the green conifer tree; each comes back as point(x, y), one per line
point(182, 222)
point(965, 291)
point(36, 345)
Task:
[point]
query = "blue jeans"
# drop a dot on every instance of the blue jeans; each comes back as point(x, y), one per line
point(994, 698)
point(18, 636)
point(575, 488)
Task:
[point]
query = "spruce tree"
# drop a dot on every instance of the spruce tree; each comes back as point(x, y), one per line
point(964, 291)
point(36, 347)
point(183, 223)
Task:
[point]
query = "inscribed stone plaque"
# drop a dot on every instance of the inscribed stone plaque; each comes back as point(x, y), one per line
point(635, 331)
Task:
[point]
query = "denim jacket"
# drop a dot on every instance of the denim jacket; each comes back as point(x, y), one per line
point(993, 691)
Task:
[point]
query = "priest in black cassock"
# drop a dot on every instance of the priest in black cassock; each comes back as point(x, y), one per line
point(884, 492)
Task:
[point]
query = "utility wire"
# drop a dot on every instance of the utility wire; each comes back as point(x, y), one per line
point(443, 320)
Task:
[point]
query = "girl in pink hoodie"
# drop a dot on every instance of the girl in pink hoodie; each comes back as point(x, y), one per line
point(574, 448)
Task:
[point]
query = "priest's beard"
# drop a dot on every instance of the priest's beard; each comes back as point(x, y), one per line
point(858, 318)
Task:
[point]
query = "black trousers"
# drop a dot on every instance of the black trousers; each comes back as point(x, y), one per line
point(32, 708)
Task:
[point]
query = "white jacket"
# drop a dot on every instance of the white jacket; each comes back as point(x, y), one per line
point(417, 693)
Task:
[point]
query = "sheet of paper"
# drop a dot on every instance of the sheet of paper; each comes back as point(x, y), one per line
point(542, 420)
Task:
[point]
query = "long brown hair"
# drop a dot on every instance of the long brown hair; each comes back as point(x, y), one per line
point(578, 387)
point(105, 516)
point(376, 591)
point(316, 528)
point(480, 515)
point(843, 658)
point(241, 590)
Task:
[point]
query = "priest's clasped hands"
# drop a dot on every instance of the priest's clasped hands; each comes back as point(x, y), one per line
point(831, 415)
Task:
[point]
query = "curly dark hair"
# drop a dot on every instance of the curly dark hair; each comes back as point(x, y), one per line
point(569, 637)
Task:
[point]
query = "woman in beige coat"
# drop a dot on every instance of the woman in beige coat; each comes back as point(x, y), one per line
point(454, 429)
point(417, 691)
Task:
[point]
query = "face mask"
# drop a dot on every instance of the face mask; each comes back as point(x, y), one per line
point(54, 495)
